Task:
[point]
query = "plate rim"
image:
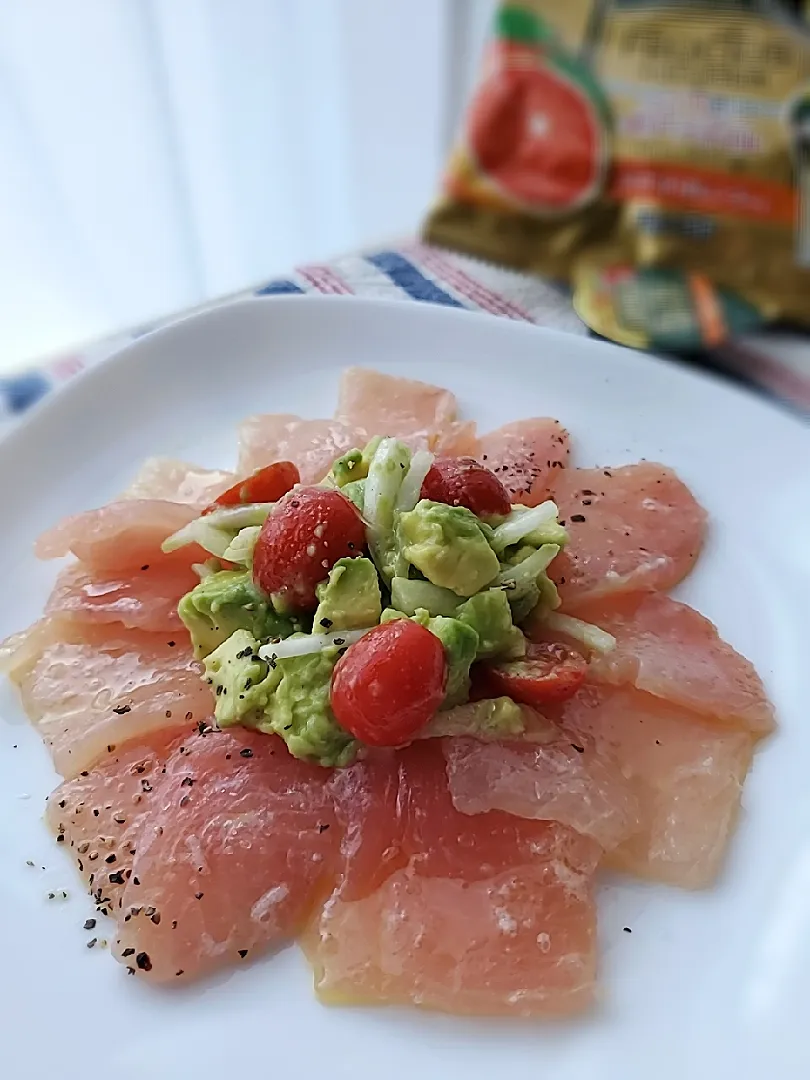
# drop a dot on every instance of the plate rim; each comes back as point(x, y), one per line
point(765, 408)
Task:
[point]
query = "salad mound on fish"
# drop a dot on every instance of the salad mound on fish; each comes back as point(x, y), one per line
point(394, 690)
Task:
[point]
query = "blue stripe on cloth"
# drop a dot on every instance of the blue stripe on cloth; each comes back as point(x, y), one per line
point(279, 288)
point(20, 392)
point(410, 279)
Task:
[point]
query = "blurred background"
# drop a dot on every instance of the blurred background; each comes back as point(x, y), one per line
point(156, 153)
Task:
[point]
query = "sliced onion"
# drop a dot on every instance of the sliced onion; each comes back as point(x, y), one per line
point(522, 521)
point(592, 637)
point(215, 531)
point(411, 489)
point(310, 643)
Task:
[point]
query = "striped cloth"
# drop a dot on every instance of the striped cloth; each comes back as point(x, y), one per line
point(412, 271)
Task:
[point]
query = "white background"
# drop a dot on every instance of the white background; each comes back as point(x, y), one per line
point(154, 153)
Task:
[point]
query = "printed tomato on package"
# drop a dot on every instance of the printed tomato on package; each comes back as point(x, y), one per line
point(654, 154)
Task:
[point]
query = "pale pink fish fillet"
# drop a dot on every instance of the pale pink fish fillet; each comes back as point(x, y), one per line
point(562, 781)
point(526, 456)
point(232, 855)
point(486, 914)
point(668, 649)
point(520, 943)
point(459, 439)
point(99, 813)
point(389, 405)
point(178, 481)
point(122, 535)
point(687, 776)
point(631, 528)
point(88, 688)
point(311, 444)
point(144, 599)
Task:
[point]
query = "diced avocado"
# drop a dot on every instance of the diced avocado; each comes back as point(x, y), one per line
point(241, 681)
point(449, 546)
point(489, 614)
point(408, 595)
point(460, 644)
point(356, 491)
point(350, 598)
point(299, 711)
point(347, 468)
point(353, 465)
point(227, 601)
point(491, 719)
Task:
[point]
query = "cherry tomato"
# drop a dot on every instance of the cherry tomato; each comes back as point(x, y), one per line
point(302, 538)
point(264, 485)
point(549, 673)
point(463, 481)
point(388, 684)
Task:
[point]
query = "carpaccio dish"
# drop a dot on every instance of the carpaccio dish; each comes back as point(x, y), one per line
point(395, 690)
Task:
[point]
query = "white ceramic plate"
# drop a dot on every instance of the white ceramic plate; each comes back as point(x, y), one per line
point(713, 984)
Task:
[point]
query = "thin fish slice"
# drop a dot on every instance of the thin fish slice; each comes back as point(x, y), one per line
point(312, 444)
point(88, 688)
point(178, 481)
point(486, 915)
point(526, 456)
point(670, 650)
point(631, 528)
point(389, 405)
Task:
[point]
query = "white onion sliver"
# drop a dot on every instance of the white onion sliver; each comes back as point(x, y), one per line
point(526, 572)
point(411, 488)
point(235, 518)
point(592, 637)
point(310, 643)
point(523, 521)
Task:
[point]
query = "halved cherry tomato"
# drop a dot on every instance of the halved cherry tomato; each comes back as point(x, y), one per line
point(549, 673)
point(301, 540)
point(264, 485)
point(463, 481)
point(388, 684)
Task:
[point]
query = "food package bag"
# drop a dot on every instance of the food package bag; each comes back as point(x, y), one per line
point(655, 154)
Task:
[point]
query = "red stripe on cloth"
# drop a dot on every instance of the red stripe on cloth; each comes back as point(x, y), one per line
point(325, 280)
point(462, 282)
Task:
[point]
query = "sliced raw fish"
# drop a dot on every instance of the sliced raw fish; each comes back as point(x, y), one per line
point(686, 773)
point(526, 456)
point(99, 814)
point(389, 405)
point(144, 599)
point(89, 688)
point(670, 650)
point(178, 481)
point(123, 535)
point(236, 847)
point(563, 781)
point(312, 444)
point(458, 439)
point(483, 914)
point(634, 527)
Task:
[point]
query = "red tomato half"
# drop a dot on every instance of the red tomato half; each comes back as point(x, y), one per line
point(388, 684)
point(301, 540)
point(463, 481)
point(549, 673)
point(265, 485)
